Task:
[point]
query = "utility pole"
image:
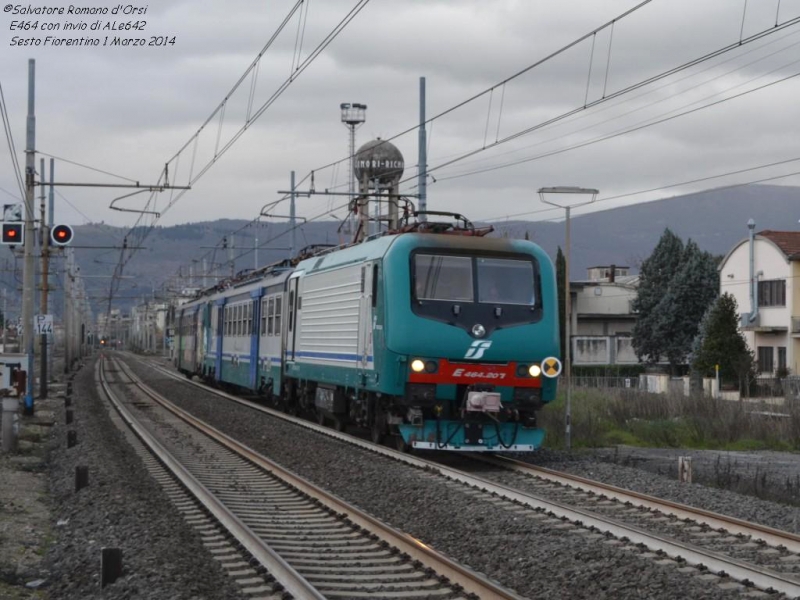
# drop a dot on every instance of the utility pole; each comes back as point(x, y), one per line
point(29, 265)
point(50, 220)
point(5, 319)
point(232, 260)
point(422, 168)
point(45, 245)
point(567, 352)
point(67, 317)
point(292, 218)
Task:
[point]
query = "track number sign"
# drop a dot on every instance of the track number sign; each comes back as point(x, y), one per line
point(43, 324)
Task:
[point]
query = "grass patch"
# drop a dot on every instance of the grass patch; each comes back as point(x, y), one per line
point(621, 416)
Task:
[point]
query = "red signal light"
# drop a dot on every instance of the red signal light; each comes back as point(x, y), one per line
point(61, 235)
point(12, 233)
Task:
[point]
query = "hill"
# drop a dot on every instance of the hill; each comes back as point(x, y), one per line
point(623, 236)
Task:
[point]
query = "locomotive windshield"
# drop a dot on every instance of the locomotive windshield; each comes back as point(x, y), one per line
point(443, 277)
point(452, 278)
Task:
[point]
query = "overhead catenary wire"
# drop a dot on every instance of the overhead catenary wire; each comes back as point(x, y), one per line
point(10, 141)
point(672, 185)
point(670, 83)
point(617, 133)
point(141, 231)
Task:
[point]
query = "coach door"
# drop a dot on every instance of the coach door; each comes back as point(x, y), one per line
point(368, 292)
point(292, 306)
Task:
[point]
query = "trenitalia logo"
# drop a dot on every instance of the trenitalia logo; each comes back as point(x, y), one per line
point(476, 349)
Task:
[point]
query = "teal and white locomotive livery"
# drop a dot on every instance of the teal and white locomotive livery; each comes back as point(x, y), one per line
point(438, 339)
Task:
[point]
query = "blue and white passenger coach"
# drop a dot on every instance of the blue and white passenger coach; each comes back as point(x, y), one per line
point(438, 339)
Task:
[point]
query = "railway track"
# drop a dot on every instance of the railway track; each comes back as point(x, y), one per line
point(725, 550)
point(312, 543)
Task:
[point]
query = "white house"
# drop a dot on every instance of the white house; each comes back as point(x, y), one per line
point(767, 291)
point(602, 319)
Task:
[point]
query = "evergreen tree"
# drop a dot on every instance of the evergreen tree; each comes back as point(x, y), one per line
point(561, 285)
point(654, 279)
point(679, 312)
point(719, 342)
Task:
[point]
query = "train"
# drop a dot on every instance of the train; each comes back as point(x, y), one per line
point(435, 335)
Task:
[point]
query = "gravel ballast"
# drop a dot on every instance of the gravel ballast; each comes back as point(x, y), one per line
point(536, 557)
point(122, 507)
point(611, 467)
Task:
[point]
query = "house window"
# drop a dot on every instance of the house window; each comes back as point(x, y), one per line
point(765, 359)
point(772, 292)
point(781, 358)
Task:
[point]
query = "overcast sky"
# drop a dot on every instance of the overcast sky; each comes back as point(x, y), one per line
point(128, 110)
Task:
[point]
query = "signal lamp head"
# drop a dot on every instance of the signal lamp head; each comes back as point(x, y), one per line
point(61, 235)
point(535, 370)
point(12, 233)
point(417, 365)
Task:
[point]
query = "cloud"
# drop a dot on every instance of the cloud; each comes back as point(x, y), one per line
point(129, 110)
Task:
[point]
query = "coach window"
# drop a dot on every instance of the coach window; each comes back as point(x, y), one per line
point(278, 309)
point(271, 318)
point(291, 309)
point(249, 330)
point(242, 318)
point(264, 316)
point(225, 330)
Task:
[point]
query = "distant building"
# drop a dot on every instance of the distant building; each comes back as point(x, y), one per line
point(148, 327)
point(771, 325)
point(602, 318)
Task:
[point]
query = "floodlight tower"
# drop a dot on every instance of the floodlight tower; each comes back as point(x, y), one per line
point(353, 115)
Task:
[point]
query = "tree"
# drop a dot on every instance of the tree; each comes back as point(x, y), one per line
point(719, 342)
point(654, 278)
point(678, 314)
point(561, 285)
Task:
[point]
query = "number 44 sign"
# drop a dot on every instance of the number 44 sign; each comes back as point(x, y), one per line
point(43, 324)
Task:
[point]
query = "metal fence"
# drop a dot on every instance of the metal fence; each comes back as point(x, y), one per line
point(768, 387)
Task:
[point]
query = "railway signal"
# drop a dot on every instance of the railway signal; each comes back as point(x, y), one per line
point(61, 235)
point(13, 233)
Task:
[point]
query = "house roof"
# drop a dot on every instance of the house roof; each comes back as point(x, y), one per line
point(787, 241)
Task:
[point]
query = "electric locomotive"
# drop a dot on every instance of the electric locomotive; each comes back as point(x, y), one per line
point(436, 335)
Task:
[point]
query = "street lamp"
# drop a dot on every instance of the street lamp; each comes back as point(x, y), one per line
point(567, 299)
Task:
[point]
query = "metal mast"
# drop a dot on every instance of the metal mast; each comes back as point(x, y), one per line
point(29, 265)
point(353, 116)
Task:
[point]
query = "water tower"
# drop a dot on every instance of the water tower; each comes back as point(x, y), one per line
point(378, 167)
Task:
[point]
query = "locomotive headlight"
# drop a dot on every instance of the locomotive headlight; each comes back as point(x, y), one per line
point(417, 365)
point(535, 370)
point(431, 366)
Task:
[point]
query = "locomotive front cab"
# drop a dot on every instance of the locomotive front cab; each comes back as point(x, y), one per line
point(482, 318)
